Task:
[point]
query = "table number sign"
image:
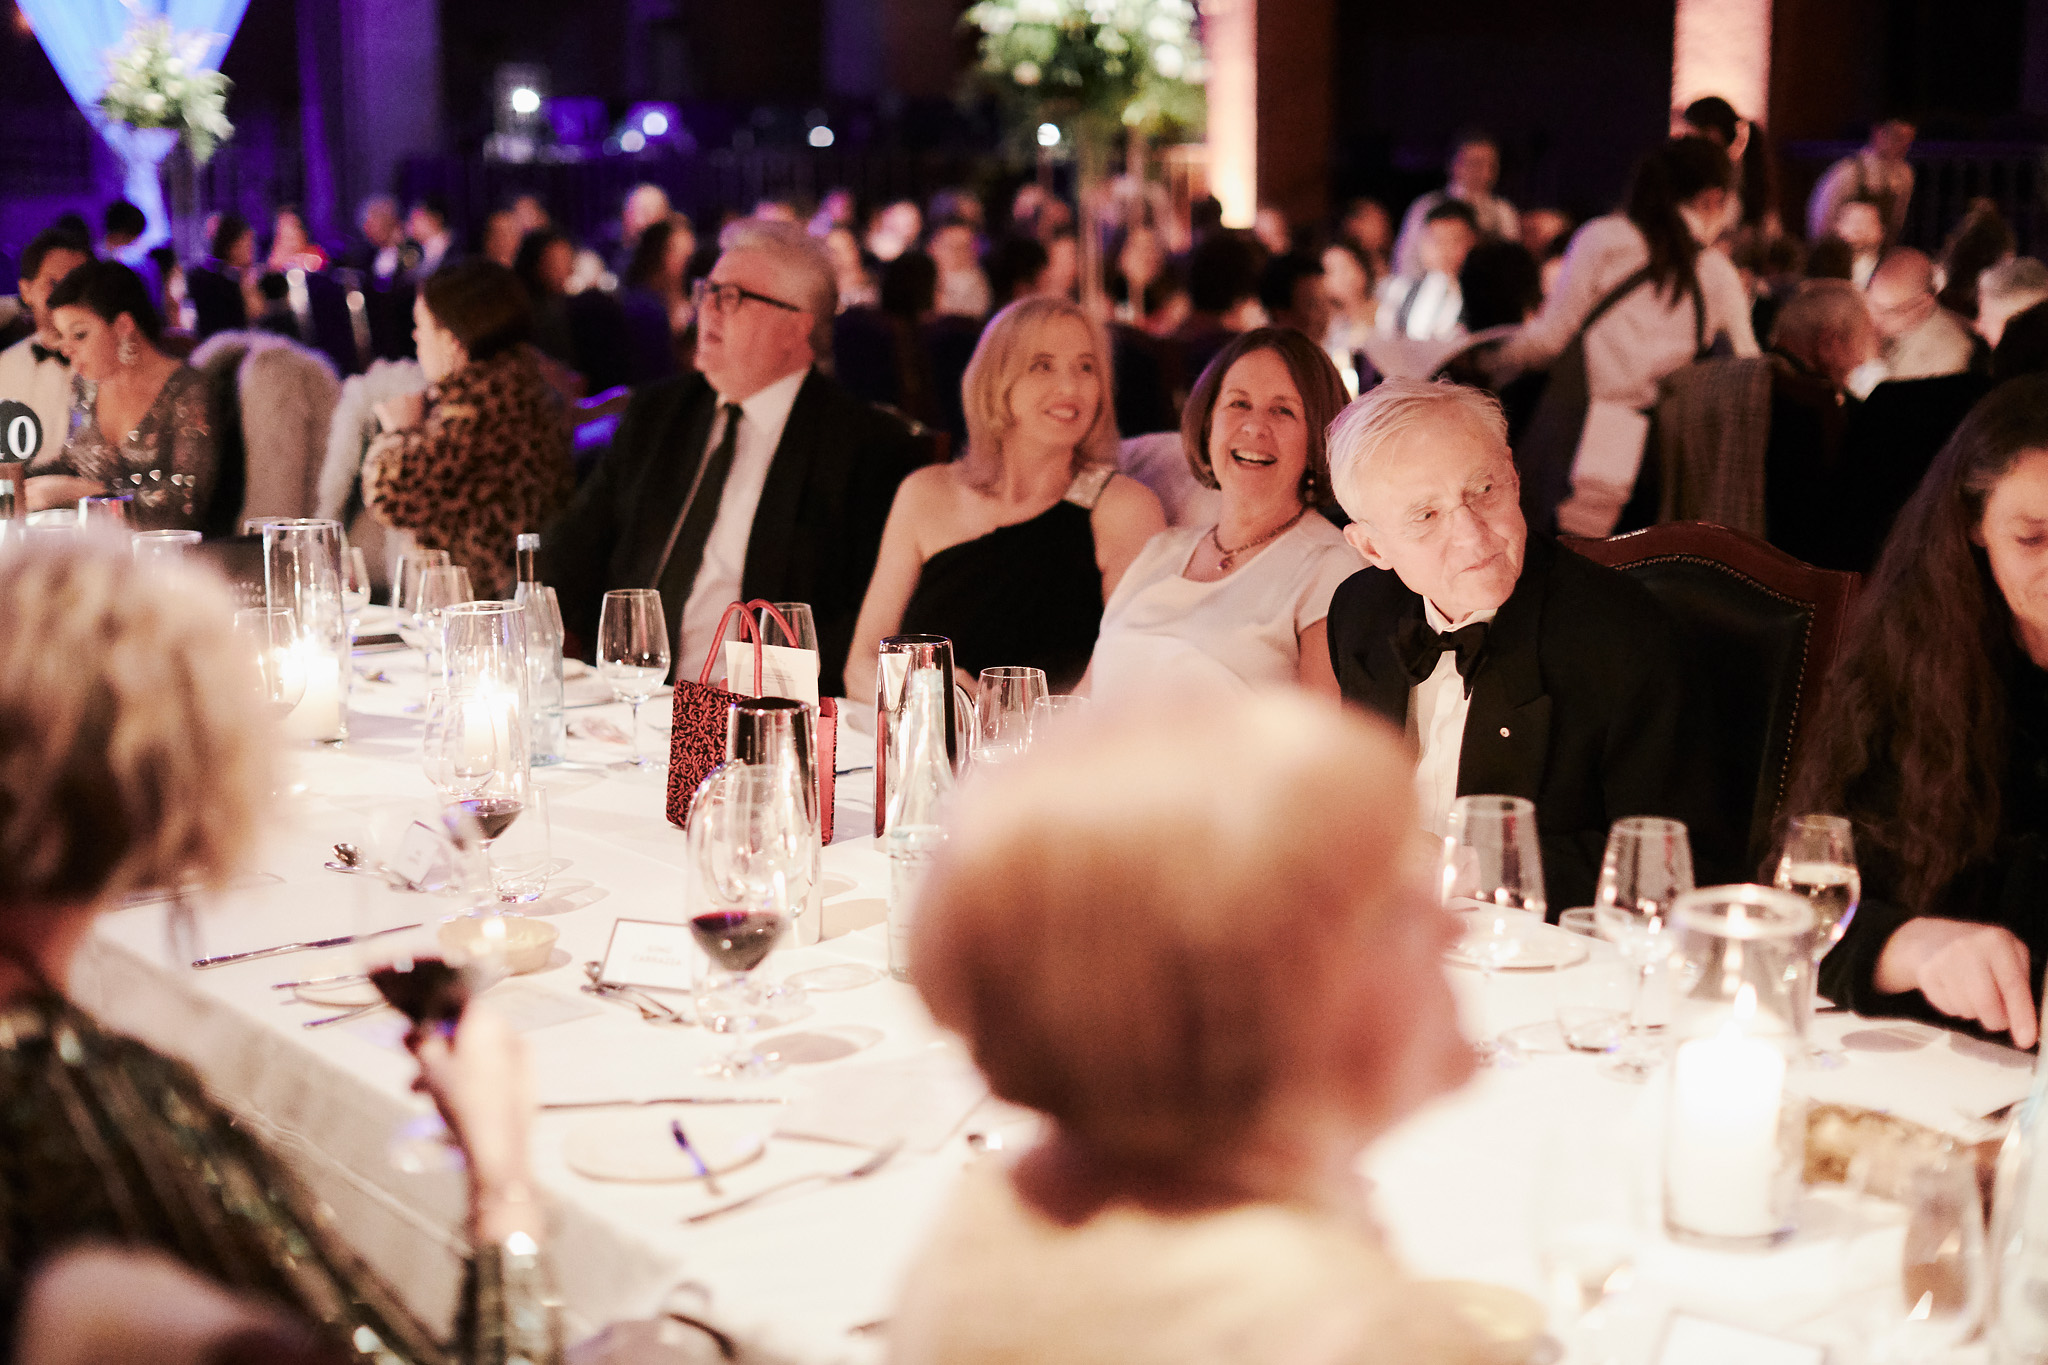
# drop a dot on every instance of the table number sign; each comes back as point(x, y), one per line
point(649, 953)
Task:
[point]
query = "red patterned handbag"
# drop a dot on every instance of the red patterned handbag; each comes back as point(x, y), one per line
point(697, 743)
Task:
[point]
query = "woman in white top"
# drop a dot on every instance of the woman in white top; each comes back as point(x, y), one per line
point(1682, 295)
point(1239, 603)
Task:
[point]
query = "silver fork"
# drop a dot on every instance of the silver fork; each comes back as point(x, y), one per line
point(875, 1162)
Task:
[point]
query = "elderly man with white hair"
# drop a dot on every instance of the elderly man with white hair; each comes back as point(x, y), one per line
point(756, 475)
point(1518, 667)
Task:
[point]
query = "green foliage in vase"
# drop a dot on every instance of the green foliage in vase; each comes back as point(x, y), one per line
point(1097, 65)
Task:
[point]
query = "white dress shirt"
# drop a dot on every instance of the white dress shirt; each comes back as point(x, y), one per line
point(1437, 707)
point(762, 419)
point(45, 385)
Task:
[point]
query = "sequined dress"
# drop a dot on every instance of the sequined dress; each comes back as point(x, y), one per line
point(103, 1138)
point(168, 461)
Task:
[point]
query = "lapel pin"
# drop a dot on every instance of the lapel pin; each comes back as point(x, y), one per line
point(1503, 732)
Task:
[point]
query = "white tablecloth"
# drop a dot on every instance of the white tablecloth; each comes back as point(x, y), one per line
point(800, 1272)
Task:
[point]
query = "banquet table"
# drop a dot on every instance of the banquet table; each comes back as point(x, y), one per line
point(813, 1273)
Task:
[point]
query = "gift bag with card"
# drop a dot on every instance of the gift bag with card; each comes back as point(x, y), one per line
point(753, 668)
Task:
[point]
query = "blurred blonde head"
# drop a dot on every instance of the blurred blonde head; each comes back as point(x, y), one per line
point(1000, 360)
point(127, 756)
point(1174, 932)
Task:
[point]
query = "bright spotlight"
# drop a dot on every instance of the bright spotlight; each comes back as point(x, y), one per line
point(655, 124)
point(821, 136)
point(1048, 135)
point(631, 140)
point(525, 100)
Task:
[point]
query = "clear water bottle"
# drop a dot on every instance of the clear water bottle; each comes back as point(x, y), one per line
point(2019, 1235)
point(924, 782)
point(544, 640)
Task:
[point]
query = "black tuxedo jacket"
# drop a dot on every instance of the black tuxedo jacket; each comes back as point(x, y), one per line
point(816, 531)
point(1579, 704)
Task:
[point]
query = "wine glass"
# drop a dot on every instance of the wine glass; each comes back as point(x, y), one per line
point(409, 955)
point(1003, 711)
point(162, 549)
point(405, 591)
point(1943, 1275)
point(355, 585)
point(441, 586)
point(271, 637)
point(803, 627)
point(1589, 1224)
point(1817, 861)
point(632, 651)
point(1492, 869)
point(1646, 868)
point(755, 850)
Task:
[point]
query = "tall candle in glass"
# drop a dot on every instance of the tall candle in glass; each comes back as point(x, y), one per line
point(1734, 1137)
point(484, 664)
point(302, 571)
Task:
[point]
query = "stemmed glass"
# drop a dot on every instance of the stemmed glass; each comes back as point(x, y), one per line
point(1003, 712)
point(271, 635)
point(1646, 868)
point(440, 587)
point(405, 594)
point(1817, 861)
point(355, 586)
point(755, 850)
point(407, 955)
point(632, 651)
point(803, 627)
point(1491, 868)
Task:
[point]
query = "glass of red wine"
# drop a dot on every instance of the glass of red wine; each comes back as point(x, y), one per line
point(754, 849)
point(476, 745)
point(420, 960)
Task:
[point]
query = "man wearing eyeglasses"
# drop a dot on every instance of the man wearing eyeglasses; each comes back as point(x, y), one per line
point(756, 476)
point(1519, 668)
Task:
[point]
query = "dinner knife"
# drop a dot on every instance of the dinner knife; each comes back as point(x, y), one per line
point(201, 964)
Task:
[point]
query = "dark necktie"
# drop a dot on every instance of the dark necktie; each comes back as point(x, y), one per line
point(40, 353)
point(686, 555)
point(1419, 647)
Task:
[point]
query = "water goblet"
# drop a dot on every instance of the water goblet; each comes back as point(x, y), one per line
point(1491, 866)
point(632, 652)
point(1647, 866)
point(1817, 861)
point(1004, 708)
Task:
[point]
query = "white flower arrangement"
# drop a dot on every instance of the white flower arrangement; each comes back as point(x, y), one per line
point(1138, 63)
point(157, 78)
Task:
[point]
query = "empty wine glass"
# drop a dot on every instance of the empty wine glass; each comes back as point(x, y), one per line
point(157, 549)
point(355, 585)
point(755, 851)
point(413, 959)
point(1589, 1225)
point(1647, 866)
point(441, 586)
point(1817, 861)
point(803, 627)
point(271, 637)
point(1004, 708)
point(405, 592)
point(1492, 870)
point(632, 652)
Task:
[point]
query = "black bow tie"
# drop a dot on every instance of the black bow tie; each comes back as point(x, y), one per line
point(1419, 648)
point(42, 353)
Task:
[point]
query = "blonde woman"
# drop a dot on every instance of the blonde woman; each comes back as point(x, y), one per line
point(128, 762)
point(1011, 550)
point(1209, 1072)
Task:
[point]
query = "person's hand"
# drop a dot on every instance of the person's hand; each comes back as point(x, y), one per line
point(480, 1081)
point(401, 412)
point(1970, 971)
point(60, 490)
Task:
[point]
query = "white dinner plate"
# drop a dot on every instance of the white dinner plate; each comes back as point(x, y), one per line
point(1545, 948)
point(638, 1145)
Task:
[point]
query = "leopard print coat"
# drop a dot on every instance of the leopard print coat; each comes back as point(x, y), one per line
point(489, 459)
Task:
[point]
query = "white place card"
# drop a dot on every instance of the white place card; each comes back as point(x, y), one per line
point(650, 953)
point(1698, 1341)
point(785, 672)
point(422, 856)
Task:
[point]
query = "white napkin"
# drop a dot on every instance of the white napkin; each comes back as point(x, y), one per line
point(918, 1100)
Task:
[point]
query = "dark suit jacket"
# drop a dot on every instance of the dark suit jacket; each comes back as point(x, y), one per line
point(1579, 704)
point(816, 531)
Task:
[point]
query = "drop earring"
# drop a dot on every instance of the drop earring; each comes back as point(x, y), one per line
point(125, 352)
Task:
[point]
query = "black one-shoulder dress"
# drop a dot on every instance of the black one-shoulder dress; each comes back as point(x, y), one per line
point(1025, 595)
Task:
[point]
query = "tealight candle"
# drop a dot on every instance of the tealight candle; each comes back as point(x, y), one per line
point(1722, 1155)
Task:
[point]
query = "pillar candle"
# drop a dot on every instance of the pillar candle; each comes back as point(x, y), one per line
point(1721, 1151)
point(321, 713)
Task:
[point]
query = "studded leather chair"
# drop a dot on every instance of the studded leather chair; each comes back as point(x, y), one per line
point(1762, 631)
